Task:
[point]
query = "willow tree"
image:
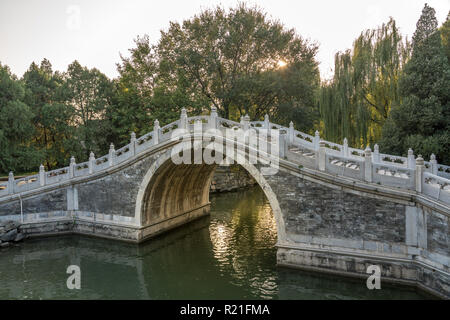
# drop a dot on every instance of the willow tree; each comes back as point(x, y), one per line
point(357, 102)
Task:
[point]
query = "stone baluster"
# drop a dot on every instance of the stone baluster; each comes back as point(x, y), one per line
point(41, 175)
point(317, 140)
point(291, 133)
point(368, 164)
point(91, 162)
point(11, 183)
point(282, 145)
point(133, 143)
point(411, 159)
point(322, 156)
point(212, 123)
point(376, 154)
point(419, 173)
point(183, 119)
point(345, 148)
point(434, 164)
point(111, 155)
point(198, 129)
point(72, 167)
point(156, 130)
point(266, 122)
point(198, 140)
point(246, 122)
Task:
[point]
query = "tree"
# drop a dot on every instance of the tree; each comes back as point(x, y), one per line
point(16, 128)
point(51, 116)
point(445, 35)
point(426, 25)
point(422, 120)
point(232, 60)
point(89, 93)
point(357, 102)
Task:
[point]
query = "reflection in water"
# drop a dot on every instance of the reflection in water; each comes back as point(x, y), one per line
point(243, 234)
point(230, 255)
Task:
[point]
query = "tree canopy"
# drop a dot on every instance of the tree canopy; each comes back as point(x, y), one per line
point(422, 120)
point(357, 101)
point(385, 89)
point(238, 60)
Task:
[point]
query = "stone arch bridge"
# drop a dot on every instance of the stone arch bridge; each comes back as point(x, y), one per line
point(337, 209)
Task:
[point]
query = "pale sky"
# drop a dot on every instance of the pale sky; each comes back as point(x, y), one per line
point(95, 32)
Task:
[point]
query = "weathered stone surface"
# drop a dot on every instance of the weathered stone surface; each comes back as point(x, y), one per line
point(19, 237)
point(230, 178)
point(315, 210)
point(9, 225)
point(116, 193)
point(50, 201)
point(9, 236)
point(153, 195)
point(342, 264)
point(438, 230)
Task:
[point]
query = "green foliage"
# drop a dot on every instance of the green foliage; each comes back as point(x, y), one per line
point(16, 127)
point(357, 102)
point(242, 62)
point(422, 120)
point(228, 59)
point(88, 93)
point(426, 25)
point(445, 35)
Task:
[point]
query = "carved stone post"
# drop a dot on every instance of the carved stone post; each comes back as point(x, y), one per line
point(368, 164)
point(376, 154)
point(156, 132)
point(345, 148)
point(317, 140)
point(322, 152)
point(291, 133)
point(72, 167)
point(212, 123)
point(282, 145)
point(11, 183)
point(434, 164)
point(266, 122)
point(111, 155)
point(133, 143)
point(41, 175)
point(198, 140)
point(246, 122)
point(183, 119)
point(419, 173)
point(91, 162)
point(411, 160)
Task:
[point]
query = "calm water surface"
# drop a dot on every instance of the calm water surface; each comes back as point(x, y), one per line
point(230, 255)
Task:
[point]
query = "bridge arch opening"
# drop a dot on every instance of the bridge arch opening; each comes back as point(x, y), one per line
point(174, 194)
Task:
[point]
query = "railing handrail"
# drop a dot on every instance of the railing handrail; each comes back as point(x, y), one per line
point(375, 165)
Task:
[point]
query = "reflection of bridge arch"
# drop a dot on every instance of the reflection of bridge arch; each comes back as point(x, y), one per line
point(169, 191)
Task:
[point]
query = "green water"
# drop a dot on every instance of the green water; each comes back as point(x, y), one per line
point(229, 255)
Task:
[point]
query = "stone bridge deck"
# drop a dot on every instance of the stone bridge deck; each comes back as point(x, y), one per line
point(338, 209)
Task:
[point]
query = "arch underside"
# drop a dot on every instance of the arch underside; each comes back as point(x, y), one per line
point(175, 190)
point(173, 194)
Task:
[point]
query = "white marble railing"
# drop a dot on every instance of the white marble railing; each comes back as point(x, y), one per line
point(306, 150)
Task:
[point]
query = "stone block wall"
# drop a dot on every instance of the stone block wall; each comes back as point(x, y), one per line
point(230, 178)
